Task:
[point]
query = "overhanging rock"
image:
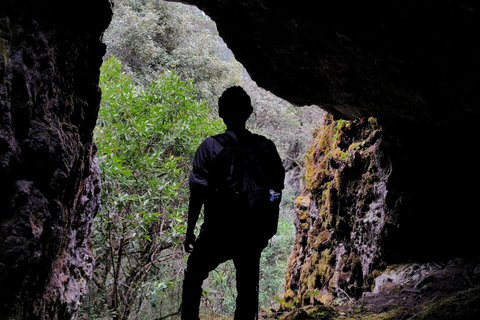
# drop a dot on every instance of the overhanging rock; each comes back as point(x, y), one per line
point(416, 60)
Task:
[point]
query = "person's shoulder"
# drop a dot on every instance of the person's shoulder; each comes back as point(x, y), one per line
point(205, 142)
point(207, 145)
point(219, 137)
point(221, 140)
point(208, 149)
point(214, 143)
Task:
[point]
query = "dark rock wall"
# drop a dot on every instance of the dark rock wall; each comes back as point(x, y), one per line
point(410, 59)
point(50, 54)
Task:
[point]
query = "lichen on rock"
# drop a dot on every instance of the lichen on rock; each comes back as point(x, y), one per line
point(370, 201)
point(366, 210)
point(340, 214)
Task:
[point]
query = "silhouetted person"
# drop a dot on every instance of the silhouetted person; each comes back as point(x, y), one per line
point(237, 176)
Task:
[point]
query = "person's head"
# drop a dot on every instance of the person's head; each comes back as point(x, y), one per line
point(234, 106)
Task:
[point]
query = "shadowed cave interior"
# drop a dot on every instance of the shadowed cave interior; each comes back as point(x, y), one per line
point(407, 75)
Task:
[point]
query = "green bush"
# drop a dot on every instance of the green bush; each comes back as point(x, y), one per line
point(274, 261)
point(146, 139)
point(154, 36)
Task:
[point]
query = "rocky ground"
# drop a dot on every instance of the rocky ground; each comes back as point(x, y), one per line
point(448, 290)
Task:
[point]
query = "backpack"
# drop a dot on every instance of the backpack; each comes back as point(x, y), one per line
point(243, 179)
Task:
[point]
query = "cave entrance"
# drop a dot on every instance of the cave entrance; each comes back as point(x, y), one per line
point(163, 72)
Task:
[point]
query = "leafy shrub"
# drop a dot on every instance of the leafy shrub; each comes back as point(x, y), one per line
point(146, 139)
point(154, 36)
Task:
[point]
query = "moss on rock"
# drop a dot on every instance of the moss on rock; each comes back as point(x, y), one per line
point(341, 177)
point(311, 313)
point(462, 305)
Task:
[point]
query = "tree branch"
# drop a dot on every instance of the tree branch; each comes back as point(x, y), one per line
point(171, 314)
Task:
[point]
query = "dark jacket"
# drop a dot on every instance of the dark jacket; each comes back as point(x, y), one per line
point(222, 213)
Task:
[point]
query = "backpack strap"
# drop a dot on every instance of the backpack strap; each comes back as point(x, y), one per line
point(224, 170)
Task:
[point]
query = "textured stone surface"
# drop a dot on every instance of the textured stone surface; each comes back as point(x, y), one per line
point(370, 202)
point(50, 54)
point(447, 290)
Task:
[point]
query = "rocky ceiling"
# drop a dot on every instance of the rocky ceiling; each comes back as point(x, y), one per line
point(409, 59)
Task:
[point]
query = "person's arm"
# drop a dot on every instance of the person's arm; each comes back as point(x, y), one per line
point(277, 171)
point(198, 184)
point(194, 208)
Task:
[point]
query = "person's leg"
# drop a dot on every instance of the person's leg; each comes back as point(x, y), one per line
point(247, 265)
point(192, 293)
point(205, 257)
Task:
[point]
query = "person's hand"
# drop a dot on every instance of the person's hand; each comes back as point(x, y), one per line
point(188, 244)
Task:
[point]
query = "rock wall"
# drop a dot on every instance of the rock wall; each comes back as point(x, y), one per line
point(376, 195)
point(340, 214)
point(359, 59)
point(50, 54)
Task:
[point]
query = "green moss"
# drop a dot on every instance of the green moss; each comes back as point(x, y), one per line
point(392, 314)
point(290, 293)
point(303, 215)
point(312, 281)
point(340, 222)
point(304, 226)
point(463, 305)
point(324, 267)
point(355, 146)
point(5, 36)
point(373, 123)
point(335, 183)
point(312, 313)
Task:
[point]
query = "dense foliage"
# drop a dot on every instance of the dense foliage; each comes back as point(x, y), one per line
point(154, 36)
point(145, 139)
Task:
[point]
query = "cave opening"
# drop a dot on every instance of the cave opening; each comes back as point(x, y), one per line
point(151, 51)
point(414, 67)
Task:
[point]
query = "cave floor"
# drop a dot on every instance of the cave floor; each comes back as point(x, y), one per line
point(437, 291)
